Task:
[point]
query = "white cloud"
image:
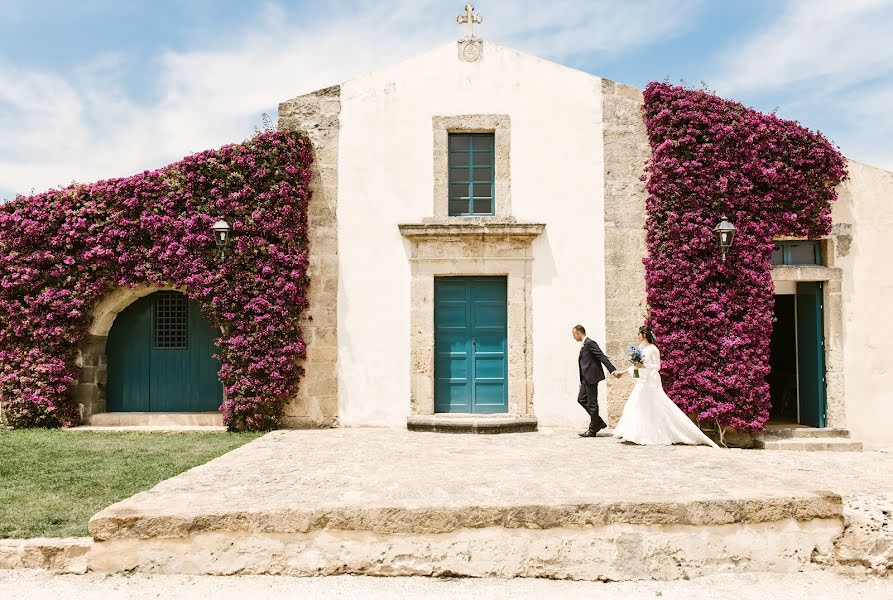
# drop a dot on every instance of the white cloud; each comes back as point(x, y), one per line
point(82, 125)
point(824, 57)
point(831, 42)
point(867, 113)
point(565, 28)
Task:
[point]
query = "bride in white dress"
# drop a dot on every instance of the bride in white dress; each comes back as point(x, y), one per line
point(650, 418)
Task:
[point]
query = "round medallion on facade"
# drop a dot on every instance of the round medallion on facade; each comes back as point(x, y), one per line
point(471, 51)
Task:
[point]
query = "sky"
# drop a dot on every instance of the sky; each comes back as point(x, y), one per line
point(93, 89)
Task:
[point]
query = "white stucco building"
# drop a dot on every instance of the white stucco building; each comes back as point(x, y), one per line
point(467, 213)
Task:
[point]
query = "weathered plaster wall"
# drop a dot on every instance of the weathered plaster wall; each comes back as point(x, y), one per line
point(316, 404)
point(385, 177)
point(863, 221)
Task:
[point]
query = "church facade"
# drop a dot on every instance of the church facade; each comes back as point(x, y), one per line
point(470, 207)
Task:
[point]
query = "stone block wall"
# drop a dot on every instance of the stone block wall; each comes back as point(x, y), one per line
point(626, 150)
point(89, 391)
point(316, 404)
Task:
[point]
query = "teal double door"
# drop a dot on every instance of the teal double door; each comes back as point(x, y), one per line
point(470, 345)
point(160, 358)
point(811, 354)
point(797, 383)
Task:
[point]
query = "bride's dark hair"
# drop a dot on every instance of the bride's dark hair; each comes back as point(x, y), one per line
point(646, 331)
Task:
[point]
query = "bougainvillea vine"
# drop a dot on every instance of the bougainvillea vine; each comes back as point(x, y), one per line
point(711, 158)
point(62, 251)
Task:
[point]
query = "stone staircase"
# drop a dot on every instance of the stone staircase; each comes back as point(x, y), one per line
point(807, 439)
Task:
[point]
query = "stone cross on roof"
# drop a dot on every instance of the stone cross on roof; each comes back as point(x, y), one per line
point(471, 19)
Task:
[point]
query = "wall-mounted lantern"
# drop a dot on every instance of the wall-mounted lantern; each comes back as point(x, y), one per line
point(222, 232)
point(725, 236)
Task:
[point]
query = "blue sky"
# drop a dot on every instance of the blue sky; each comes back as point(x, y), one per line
point(96, 88)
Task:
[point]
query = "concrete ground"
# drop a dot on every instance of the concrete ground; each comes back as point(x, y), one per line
point(34, 585)
point(387, 468)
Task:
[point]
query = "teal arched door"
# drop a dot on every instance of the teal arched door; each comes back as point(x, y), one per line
point(160, 357)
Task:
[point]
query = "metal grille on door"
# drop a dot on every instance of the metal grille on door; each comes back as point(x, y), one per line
point(170, 323)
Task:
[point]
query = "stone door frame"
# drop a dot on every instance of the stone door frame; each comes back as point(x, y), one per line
point(472, 250)
point(832, 299)
point(89, 392)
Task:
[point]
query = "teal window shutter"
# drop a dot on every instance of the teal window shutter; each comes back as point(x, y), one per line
point(471, 174)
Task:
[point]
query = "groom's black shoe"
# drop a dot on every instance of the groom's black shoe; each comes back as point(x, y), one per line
point(594, 433)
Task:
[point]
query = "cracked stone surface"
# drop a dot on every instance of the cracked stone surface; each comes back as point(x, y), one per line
point(61, 555)
point(867, 540)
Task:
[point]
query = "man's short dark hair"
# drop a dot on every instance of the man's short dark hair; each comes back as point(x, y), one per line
point(580, 328)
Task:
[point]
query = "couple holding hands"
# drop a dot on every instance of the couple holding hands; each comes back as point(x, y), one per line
point(649, 417)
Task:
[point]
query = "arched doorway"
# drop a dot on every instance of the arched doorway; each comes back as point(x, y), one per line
point(160, 357)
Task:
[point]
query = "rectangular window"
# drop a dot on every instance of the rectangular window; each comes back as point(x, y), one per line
point(170, 320)
point(471, 173)
point(797, 252)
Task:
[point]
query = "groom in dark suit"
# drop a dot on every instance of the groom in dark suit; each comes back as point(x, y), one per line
point(590, 362)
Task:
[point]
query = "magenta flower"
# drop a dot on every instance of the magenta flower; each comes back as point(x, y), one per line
point(771, 177)
point(62, 251)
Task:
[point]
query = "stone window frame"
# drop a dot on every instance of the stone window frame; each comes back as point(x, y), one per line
point(497, 124)
point(826, 248)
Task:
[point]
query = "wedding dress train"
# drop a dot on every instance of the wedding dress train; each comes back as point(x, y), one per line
point(650, 417)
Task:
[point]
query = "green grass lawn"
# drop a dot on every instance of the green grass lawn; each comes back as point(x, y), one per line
point(53, 481)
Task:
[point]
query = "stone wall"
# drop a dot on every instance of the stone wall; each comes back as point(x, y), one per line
point(89, 391)
point(626, 150)
point(316, 404)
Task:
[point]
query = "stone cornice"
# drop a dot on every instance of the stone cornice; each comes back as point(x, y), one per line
point(472, 229)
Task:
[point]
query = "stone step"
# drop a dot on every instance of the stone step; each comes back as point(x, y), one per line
point(810, 444)
point(59, 555)
point(458, 423)
point(153, 428)
point(151, 419)
point(615, 541)
point(803, 432)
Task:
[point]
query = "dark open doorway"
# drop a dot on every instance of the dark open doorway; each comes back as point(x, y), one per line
point(797, 357)
point(783, 361)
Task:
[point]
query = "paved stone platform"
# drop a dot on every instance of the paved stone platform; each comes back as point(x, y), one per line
point(545, 504)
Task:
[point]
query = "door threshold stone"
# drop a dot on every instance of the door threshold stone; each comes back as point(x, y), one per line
point(467, 423)
point(155, 419)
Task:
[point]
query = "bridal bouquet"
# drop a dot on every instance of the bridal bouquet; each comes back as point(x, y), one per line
point(636, 358)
